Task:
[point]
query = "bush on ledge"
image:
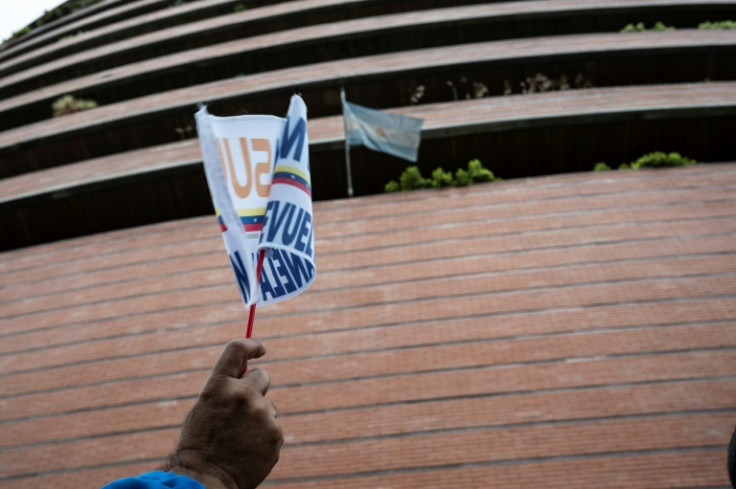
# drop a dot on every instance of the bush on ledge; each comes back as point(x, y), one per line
point(412, 178)
point(657, 159)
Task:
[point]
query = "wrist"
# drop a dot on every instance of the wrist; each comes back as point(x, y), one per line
point(207, 480)
point(208, 475)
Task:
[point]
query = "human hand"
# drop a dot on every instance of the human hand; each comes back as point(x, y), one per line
point(230, 438)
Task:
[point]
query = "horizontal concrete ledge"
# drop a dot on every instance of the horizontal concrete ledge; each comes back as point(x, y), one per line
point(347, 71)
point(332, 33)
point(441, 120)
point(159, 18)
point(81, 20)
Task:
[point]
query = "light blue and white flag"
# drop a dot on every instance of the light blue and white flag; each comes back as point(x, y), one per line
point(395, 134)
point(257, 169)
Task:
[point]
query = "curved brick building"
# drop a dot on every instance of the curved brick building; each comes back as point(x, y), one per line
point(562, 328)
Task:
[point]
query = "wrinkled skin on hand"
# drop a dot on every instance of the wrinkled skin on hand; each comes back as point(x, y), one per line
point(230, 438)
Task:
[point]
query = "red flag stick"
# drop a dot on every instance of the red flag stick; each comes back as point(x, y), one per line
point(252, 315)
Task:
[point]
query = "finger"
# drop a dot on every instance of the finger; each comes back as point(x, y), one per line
point(235, 356)
point(258, 380)
point(273, 409)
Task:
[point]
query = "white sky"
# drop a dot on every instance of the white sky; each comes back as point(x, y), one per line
point(16, 14)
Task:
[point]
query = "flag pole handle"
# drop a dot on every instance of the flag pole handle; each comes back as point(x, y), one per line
point(252, 314)
point(347, 145)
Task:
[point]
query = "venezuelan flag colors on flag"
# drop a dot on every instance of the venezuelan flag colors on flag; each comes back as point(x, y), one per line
point(257, 168)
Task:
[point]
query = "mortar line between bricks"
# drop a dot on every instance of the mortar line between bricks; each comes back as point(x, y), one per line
point(413, 373)
point(522, 392)
point(497, 427)
point(440, 259)
point(363, 328)
point(404, 470)
point(276, 316)
point(495, 339)
point(529, 184)
point(499, 366)
point(590, 227)
point(496, 463)
point(404, 434)
point(566, 213)
point(429, 279)
point(524, 312)
point(434, 260)
point(454, 224)
point(570, 197)
point(419, 198)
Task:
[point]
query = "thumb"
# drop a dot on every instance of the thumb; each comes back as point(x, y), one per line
point(234, 358)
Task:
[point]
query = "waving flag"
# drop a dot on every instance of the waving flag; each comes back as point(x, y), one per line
point(395, 134)
point(257, 169)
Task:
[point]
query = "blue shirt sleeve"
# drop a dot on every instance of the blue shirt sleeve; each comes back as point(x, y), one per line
point(156, 480)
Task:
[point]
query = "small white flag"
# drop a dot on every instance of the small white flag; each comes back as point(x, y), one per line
point(257, 168)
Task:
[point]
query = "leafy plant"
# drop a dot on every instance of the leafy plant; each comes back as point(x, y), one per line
point(656, 159)
point(239, 7)
point(68, 105)
point(640, 27)
point(412, 179)
point(66, 8)
point(392, 186)
point(462, 178)
point(441, 178)
point(18, 34)
point(659, 159)
point(719, 24)
point(478, 173)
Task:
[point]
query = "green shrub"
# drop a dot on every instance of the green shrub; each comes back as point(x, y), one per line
point(656, 159)
point(68, 105)
point(66, 8)
point(659, 26)
point(640, 27)
point(462, 178)
point(18, 34)
point(239, 7)
point(719, 24)
point(412, 179)
point(392, 186)
point(441, 178)
point(659, 159)
point(634, 27)
point(478, 173)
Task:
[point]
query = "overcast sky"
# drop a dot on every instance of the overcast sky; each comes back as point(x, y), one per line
point(17, 14)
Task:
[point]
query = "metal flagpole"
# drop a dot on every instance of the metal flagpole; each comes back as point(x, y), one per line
point(347, 144)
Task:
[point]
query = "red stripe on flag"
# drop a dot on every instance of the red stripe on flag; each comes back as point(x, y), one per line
point(293, 183)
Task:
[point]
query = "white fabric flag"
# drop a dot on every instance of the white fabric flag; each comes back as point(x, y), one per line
point(257, 169)
point(395, 134)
